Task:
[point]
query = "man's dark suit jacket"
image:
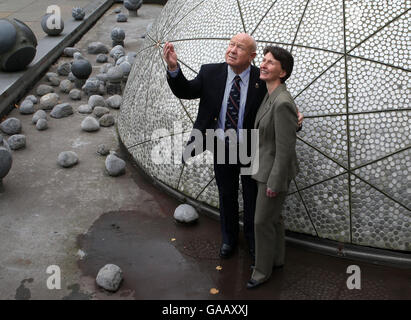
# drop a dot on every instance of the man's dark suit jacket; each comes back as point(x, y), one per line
point(209, 86)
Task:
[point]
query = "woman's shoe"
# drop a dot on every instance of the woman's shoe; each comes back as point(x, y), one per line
point(251, 284)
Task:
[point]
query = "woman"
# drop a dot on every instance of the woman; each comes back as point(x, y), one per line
point(276, 162)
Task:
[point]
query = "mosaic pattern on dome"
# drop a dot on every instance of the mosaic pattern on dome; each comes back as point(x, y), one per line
point(351, 80)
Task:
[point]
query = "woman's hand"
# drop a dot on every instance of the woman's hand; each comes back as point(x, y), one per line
point(270, 193)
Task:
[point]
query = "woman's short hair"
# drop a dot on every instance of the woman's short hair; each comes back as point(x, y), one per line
point(284, 57)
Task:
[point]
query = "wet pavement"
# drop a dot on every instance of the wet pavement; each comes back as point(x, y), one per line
point(81, 219)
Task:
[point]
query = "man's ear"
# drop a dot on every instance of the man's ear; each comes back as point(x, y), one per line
point(252, 56)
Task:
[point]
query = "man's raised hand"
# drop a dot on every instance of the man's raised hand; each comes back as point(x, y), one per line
point(170, 56)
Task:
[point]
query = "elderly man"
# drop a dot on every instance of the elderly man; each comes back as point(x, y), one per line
point(230, 94)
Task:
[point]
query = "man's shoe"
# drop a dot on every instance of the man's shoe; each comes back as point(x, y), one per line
point(226, 251)
point(251, 284)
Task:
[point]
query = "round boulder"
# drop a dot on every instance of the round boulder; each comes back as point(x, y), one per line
point(26, 107)
point(106, 120)
point(109, 277)
point(40, 114)
point(61, 111)
point(114, 165)
point(67, 159)
point(17, 141)
point(11, 126)
point(114, 102)
point(42, 124)
point(44, 89)
point(100, 111)
point(96, 101)
point(185, 213)
point(48, 101)
point(90, 124)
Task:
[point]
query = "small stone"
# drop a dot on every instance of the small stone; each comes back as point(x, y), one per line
point(102, 58)
point(90, 124)
point(51, 75)
point(185, 213)
point(104, 68)
point(78, 56)
point(114, 165)
point(118, 34)
point(96, 48)
point(11, 126)
point(121, 17)
point(121, 60)
point(115, 74)
point(48, 101)
point(100, 111)
point(117, 52)
point(6, 160)
point(42, 124)
point(64, 69)
point(85, 108)
point(66, 86)
point(55, 81)
point(5, 145)
point(81, 69)
point(91, 86)
point(114, 102)
point(126, 68)
point(69, 51)
point(78, 13)
point(61, 111)
point(26, 107)
point(102, 88)
point(103, 150)
point(40, 114)
point(44, 89)
point(75, 94)
point(71, 77)
point(17, 141)
point(67, 159)
point(102, 77)
point(106, 120)
point(117, 10)
point(32, 99)
point(109, 277)
point(96, 100)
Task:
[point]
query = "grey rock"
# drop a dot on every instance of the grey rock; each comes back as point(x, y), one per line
point(67, 159)
point(40, 114)
point(66, 86)
point(85, 108)
point(44, 89)
point(106, 120)
point(131, 57)
point(64, 69)
point(75, 94)
point(78, 13)
point(71, 77)
point(118, 34)
point(6, 162)
point(103, 150)
point(61, 111)
point(104, 68)
point(81, 69)
point(51, 75)
point(117, 52)
point(42, 124)
point(69, 51)
point(17, 141)
point(32, 99)
point(114, 165)
point(121, 60)
point(11, 126)
point(26, 107)
point(102, 77)
point(117, 10)
point(90, 124)
point(4, 144)
point(126, 68)
point(114, 102)
point(96, 48)
point(78, 56)
point(109, 277)
point(48, 101)
point(185, 213)
point(55, 81)
point(96, 100)
point(115, 74)
point(91, 86)
point(100, 111)
point(102, 58)
point(121, 17)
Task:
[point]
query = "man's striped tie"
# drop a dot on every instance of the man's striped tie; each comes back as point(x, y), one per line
point(233, 105)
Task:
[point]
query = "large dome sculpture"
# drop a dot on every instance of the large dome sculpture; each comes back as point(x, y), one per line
point(351, 81)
